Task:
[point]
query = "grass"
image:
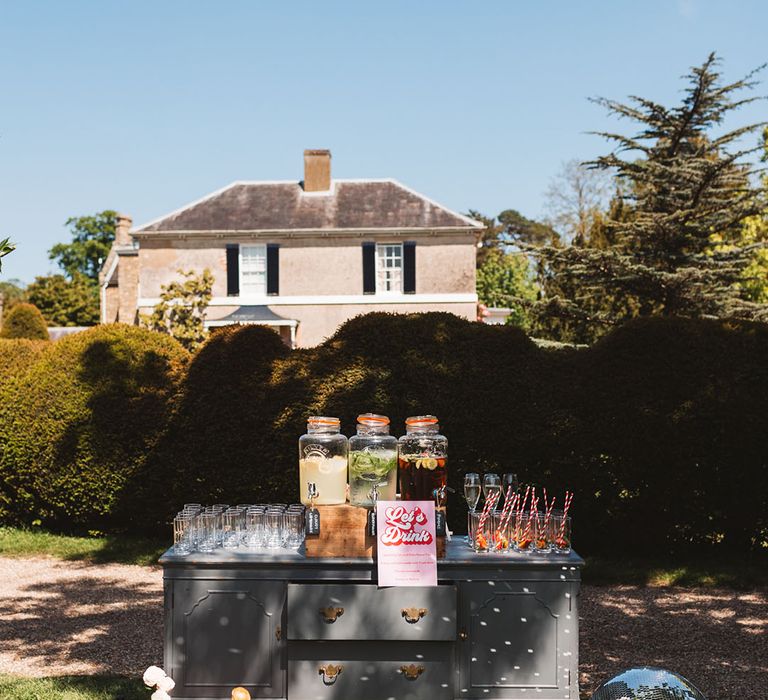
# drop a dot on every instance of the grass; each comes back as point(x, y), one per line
point(703, 571)
point(72, 688)
point(706, 571)
point(18, 542)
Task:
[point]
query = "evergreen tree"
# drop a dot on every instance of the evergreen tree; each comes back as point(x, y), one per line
point(181, 310)
point(676, 247)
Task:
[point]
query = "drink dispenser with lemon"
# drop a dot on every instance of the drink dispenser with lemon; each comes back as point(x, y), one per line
point(323, 461)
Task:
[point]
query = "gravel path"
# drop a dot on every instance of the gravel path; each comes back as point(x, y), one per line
point(76, 618)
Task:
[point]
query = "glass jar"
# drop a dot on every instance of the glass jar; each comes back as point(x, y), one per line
point(323, 460)
point(372, 460)
point(422, 454)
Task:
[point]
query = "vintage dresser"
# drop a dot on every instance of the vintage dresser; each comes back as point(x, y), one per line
point(286, 626)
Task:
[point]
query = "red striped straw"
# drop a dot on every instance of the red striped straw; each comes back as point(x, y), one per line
point(550, 508)
point(507, 504)
point(546, 502)
point(566, 506)
point(488, 506)
point(521, 508)
point(513, 505)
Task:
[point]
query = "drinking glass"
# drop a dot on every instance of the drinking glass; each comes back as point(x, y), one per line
point(561, 533)
point(207, 535)
point(182, 533)
point(542, 533)
point(491, 484)
point(232, 530)
point(274, 528)
point(524, 541)
point(499, 533)
point(480, 538)
point(254, 528)
point(293, 528)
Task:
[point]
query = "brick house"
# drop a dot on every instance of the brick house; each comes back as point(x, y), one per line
point(302, 257)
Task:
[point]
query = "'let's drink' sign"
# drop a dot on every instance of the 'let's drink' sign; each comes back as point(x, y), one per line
point(406, 548)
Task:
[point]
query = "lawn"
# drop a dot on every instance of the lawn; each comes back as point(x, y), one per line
point(17, 542)
point(72, 688)
point(706, 571)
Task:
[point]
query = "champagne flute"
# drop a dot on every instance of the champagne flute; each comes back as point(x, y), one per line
point(472, 490)
point(491, 485)
point(509, 479)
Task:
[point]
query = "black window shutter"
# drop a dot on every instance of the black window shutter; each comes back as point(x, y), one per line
point(409, 267)
point(273, 268)
point(369, 268)
point(233, 270)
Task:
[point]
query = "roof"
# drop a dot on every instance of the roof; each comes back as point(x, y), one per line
point(253, 314)
point(275, 206)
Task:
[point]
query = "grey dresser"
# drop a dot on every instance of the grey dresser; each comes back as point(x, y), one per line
point(286, 626)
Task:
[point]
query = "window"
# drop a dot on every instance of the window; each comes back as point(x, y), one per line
point(389, 268)
point(253, 270)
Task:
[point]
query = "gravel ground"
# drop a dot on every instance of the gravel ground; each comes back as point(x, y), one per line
point(76, 618)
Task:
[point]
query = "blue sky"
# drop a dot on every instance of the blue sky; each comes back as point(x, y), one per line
point(144, 106)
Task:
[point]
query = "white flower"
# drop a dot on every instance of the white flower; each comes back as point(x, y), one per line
point(160, 695)
point(166, 683)
point(153, 675)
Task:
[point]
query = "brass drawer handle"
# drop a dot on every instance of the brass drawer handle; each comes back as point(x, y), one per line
point(413, 615)
point(331, 614)
point(330, 673)
point(412, 671)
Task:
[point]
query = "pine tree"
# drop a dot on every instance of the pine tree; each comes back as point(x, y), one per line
point(688, 191)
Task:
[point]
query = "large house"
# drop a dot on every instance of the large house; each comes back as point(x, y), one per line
point(302, 257)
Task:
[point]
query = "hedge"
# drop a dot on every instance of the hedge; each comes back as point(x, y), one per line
point(78, 422)
point(17, 354)
point(24, 321)
point(659, 428)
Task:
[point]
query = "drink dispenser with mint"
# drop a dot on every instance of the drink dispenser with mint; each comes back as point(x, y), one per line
point(323, 461)
point(372, 460)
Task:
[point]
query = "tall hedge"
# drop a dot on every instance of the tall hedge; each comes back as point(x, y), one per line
point(24, 321)
point(17, 354)
point(659, 428)
point(76, 424)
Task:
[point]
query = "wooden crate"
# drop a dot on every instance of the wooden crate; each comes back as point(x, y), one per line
point(343, 533)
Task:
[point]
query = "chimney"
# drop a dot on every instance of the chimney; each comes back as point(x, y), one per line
point(122, 227)
point(317, 170)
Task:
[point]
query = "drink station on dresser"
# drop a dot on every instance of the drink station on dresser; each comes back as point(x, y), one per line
point(359, 589)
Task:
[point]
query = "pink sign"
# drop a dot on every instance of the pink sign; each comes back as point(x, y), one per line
point(406, 550)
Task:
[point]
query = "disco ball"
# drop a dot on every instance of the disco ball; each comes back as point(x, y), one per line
point(647, 683)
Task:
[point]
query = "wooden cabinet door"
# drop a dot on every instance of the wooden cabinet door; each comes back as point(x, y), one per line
point(225, 634)
point(518, 639)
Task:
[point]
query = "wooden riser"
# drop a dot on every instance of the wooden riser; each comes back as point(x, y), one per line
point(343, 534)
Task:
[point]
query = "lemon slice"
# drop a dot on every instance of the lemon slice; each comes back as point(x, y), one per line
point(325, 466)
point(429, 463)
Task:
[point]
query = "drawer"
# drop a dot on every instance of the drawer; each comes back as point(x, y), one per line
point(337, 612)
point(370, 670)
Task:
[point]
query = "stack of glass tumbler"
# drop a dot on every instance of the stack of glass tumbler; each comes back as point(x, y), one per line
point(199, 528)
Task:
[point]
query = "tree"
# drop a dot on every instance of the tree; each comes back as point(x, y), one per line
point(181, 310)
point(505, 280)
point(24, 321)
point(683, 183)
point(575, 200)
point(92, 237)
point(11, 292)
point(66, 302)
point(5, 247)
